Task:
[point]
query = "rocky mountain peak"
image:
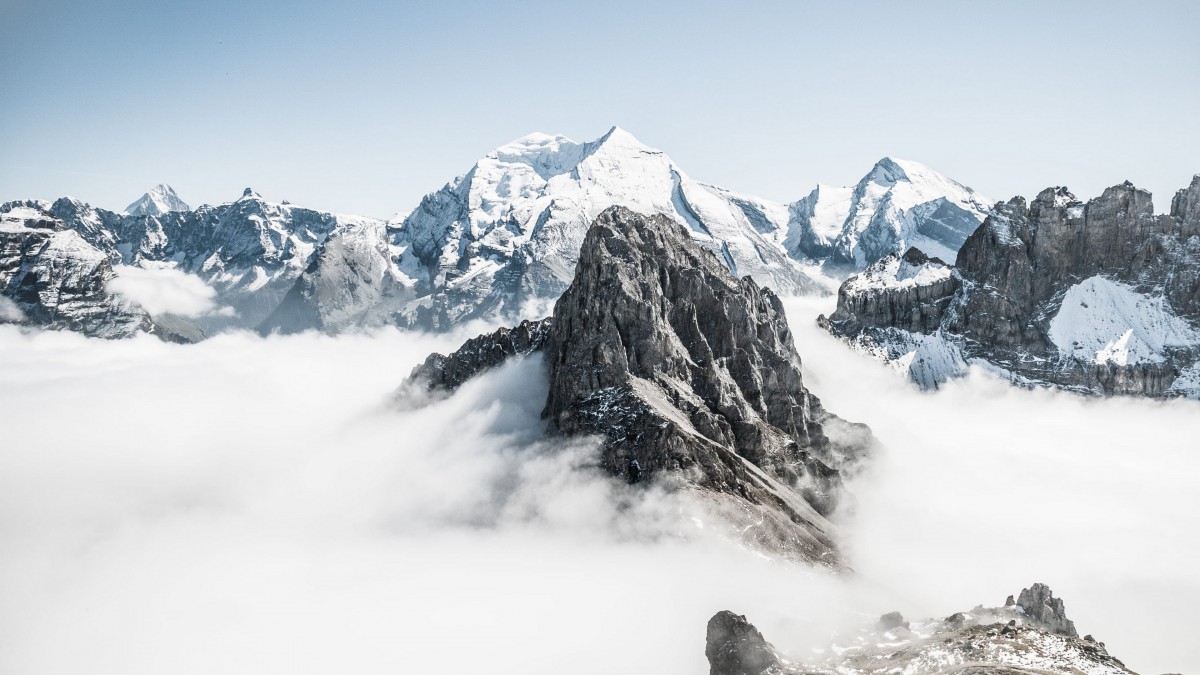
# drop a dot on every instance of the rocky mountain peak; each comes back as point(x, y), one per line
point(690, 376)
point(1186, 204)
point(1028, 635)
point(888, 170)
point(616, 137)
point(898, 204)
point(1101, 297)
point(161, 199)
point(1045, 611)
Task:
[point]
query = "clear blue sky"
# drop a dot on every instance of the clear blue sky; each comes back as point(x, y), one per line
point(364, 106)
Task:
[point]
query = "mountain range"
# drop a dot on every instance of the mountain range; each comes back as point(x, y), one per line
point(1097, 297)
point(1101, 297)
point(501, 241)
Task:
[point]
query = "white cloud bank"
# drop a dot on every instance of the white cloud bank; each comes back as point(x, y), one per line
point(165, 290)
point(9, 311)
point(252, 505)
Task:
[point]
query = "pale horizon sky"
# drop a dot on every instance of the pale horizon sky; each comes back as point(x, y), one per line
point(365, 106)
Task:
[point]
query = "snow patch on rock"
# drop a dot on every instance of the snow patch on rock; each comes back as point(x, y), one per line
point(1103, 321)
point(895, 272)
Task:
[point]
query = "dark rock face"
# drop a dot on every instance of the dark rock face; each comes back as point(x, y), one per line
point(892, 620)
point(917, 307)
point(735, 647)
point(478, 354)
point(1045, 611)
point(688, 374)
point(1014, 274)
point(1009, 640)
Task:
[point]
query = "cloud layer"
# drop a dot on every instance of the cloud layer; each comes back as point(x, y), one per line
point(165, 290)
point(250, 505)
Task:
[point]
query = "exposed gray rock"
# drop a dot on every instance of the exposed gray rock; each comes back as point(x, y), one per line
point(1033, 277)
point(478, 354)
point(691, 376)
point(735, 647)
point(251, 251)
point(1045, 611)
point(985, 641)
point(52, 278)
point(892, 620)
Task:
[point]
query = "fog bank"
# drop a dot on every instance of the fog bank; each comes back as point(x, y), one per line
point(251, 505)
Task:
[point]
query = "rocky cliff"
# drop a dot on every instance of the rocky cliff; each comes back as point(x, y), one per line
point(1101, 298)
point(250, 251)
point(1031, 635)
point(52, 278)
point(690, 376)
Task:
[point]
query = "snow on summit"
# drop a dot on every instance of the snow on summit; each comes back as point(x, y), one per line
point(158, 201)
point(898, 204)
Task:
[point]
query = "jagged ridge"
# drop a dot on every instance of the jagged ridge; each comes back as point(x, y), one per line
point(690, 375)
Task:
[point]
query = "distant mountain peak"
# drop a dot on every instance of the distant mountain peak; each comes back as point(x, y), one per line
point(898, 204)
point(161, 199)
point(249, 193)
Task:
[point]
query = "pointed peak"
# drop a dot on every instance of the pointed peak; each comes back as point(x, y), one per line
point(249, 193)
point(159, 200)
point(618, 137)
point(893, 170)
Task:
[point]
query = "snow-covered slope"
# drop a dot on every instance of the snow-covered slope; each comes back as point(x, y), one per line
point(1099, 298)
point(505, 237)
point(897, 205)
point(51, 277)
point(158, 201)
point(250, 250)
point(1109, 322)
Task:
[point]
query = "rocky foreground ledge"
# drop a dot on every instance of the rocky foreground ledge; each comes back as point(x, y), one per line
point(1030, 634)
point(691, 378)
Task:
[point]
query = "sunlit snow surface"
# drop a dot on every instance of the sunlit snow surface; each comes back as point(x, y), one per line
point(1106, 321)
point(250, 505)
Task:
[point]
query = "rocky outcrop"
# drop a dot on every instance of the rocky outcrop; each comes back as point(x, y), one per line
point(1007, 640)
point(447, 373)
point(735, 647)
point(1045, 611)
point(692, 379)
point(1101, 298)
point(51, 278)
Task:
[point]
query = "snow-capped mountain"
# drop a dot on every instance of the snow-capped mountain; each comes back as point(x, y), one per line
point(897, 205)
point(51, 277)
point(250, 250)
point(158, 201)
point(501, 241)
point(504, 237)
point(1098, 297)
point(692, 378)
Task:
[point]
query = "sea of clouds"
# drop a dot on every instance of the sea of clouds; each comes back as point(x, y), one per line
point(268, 505)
